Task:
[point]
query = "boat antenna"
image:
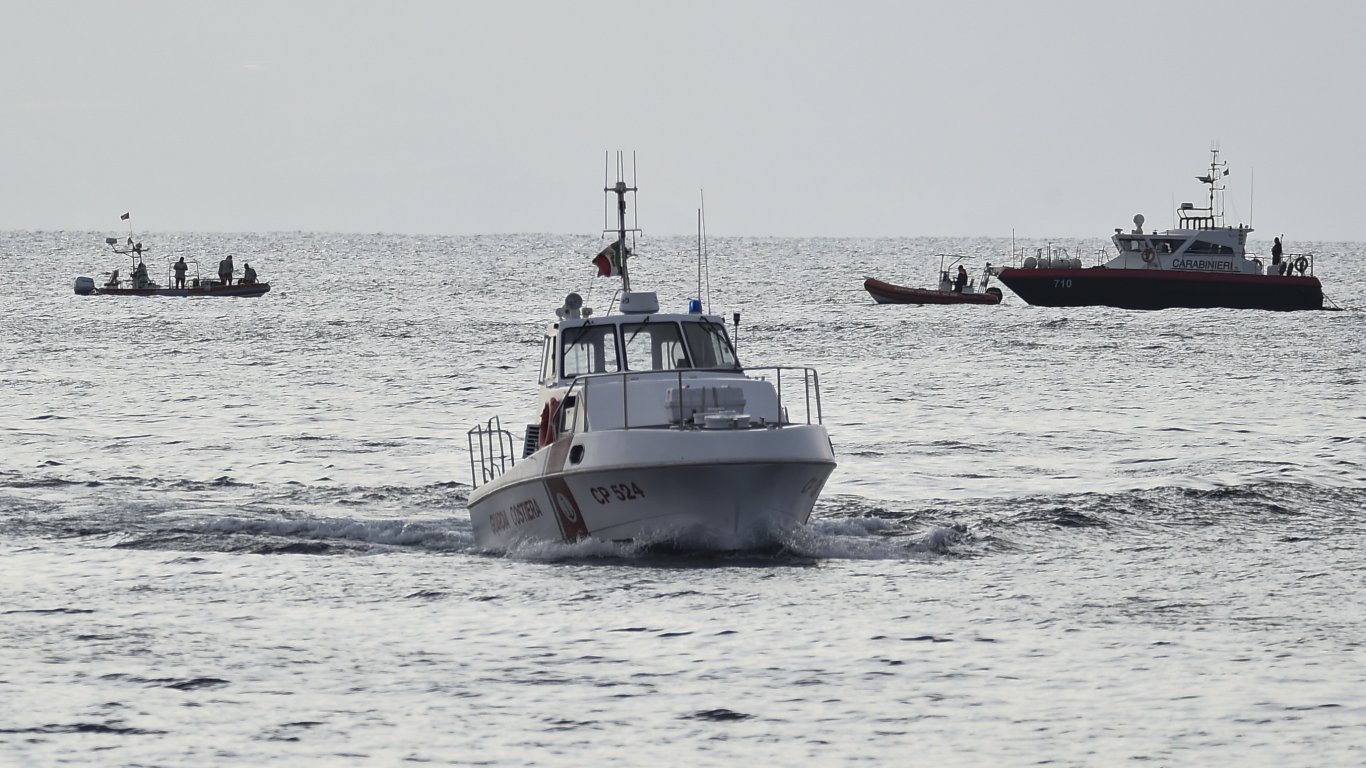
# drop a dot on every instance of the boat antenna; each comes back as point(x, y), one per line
point(1213, 168)
point(699, 253)
point(1217, 171)
point(620, 190)
point(703, 257)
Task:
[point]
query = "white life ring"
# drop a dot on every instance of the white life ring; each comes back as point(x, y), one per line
point(1148, 256)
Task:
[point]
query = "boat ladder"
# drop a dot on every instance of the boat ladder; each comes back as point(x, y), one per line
point(492, 451)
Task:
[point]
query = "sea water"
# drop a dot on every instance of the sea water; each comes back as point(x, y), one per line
point(233, 531)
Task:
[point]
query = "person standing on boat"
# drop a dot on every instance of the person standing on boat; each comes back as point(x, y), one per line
point(960, 280)
point(1276, 252)
point(140, 275)
point(180, 269)
point(248, 274)
point(225, 270)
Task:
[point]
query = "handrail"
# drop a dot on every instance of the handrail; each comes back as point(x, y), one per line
point(497, 451)
point(1308, 257)
point(1288, 259)
point(577, 394)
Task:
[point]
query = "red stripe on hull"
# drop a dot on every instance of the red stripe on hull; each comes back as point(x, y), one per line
point(1162, 289)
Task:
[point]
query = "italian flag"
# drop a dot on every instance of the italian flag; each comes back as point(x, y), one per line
point(608, 261)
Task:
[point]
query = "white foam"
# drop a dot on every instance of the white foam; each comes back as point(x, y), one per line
point(393, 533)
point(851, 526)
point(939, 540)
point(584, 548)
point(845, 539)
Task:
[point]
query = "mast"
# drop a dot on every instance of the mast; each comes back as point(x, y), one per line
point(133, 250)
point(1213, 169)
point(1188, 216)
point(703, 258)
point(1217, 171)
point(620, 189)
point(699, 253)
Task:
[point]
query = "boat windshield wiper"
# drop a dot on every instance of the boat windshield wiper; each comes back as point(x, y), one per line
point(570, 343)
point(637, 331)
point(583, 329)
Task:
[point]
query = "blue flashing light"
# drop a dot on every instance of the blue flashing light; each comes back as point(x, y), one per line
point(694, 306)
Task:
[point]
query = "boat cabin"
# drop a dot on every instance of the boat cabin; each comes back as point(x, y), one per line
point(1200, 242)
point(636, 342)
point(645, 368)
point(1203, 249)
point(1211, 242)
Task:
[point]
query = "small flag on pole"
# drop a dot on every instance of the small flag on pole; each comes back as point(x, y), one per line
point(608, 261)
point(124, 217)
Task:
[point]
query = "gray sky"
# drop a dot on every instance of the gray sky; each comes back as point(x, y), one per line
point(798, 118)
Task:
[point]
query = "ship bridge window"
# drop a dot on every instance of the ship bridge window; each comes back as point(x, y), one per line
point(1204, 246)
point(1130, 244)
point(590, 349)
point(1167, 246)
point(653, 347)
point(548, 359)
point(709, 346)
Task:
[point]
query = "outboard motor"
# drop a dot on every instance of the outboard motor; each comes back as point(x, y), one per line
point(84, 286)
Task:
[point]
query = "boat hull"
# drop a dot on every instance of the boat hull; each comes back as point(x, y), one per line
point(887, 293)
point(202, 290)
point(1161, 289)
point(686, 489)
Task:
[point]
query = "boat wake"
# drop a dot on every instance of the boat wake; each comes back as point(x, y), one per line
point(309, 536)
point(214, 516)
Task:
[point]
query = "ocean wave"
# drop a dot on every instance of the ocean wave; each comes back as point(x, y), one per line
point(384, 533)
point(128, 512)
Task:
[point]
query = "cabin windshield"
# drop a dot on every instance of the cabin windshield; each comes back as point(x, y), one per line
point(658, 345)
point(709, 346)
point(653, 346)
point(590, 349)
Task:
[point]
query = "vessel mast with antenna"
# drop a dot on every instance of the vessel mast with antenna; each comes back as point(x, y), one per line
point(1217, 171)
point(703, 258)
point(620, 190)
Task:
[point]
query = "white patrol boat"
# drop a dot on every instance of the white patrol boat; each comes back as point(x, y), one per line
point(649, 430)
